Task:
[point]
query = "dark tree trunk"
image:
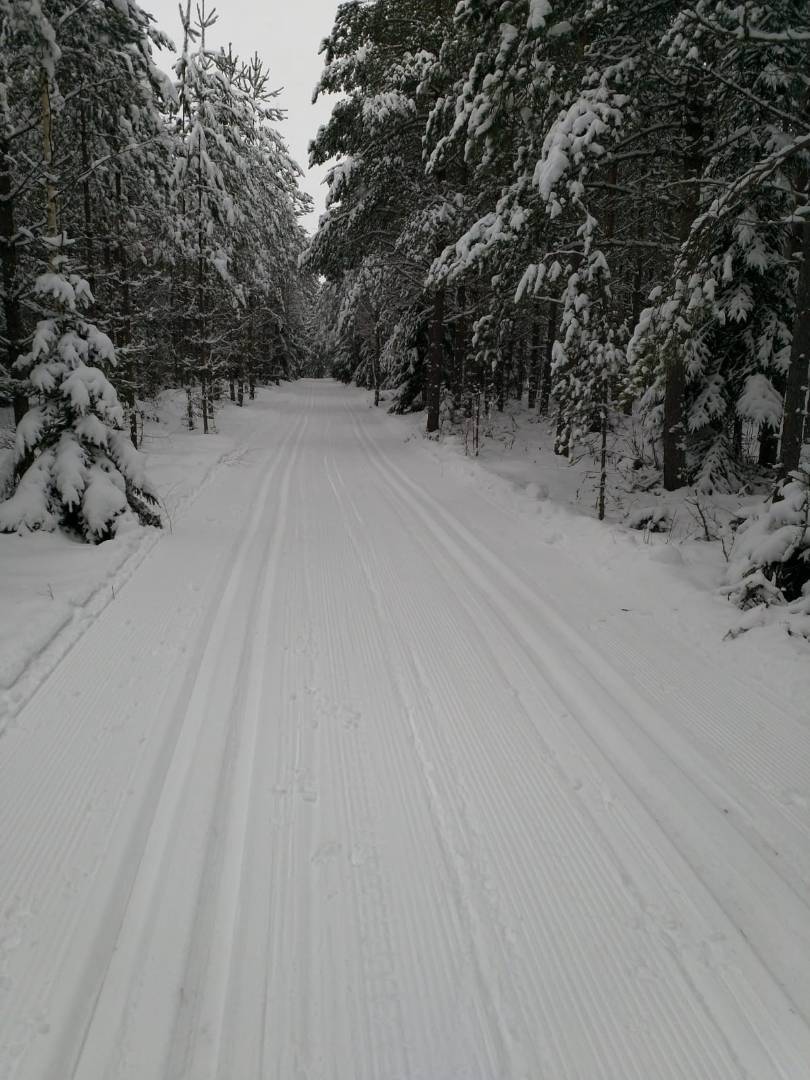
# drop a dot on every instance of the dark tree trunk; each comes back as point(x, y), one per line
point(89, 254)
point(545, 373)
point(460, 350)
point(737, 437)
point(500, 381)
point(124, 332)
point(433, 388)
point(375, 364)
point(12, 311)
point(628, 404)
point(534, 363)
point(796, 385)
point(503, 372)
point(768, 446)
point(674, 435)
point(520, 370)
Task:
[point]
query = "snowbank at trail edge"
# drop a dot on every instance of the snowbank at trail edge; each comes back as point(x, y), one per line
point(667, 573)
point(53, 586)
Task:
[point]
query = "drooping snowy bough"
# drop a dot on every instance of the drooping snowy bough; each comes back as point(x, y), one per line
point(76, 467)
point(770, 563)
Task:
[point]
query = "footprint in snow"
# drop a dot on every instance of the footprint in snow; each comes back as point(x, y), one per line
point(330, 849)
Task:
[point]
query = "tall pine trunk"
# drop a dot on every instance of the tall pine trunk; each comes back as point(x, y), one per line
point(545, 373)
point(12, 311)
point(798, 374)
point(460, 351)
point(534, 363)
point(87, 201)
point(674, 434)
point(433, 389)
point(375, 363)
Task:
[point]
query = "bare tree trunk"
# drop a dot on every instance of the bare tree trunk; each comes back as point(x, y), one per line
point(768, 446)
point(204, 401)
point(202, 312)
point(433, 389)
point(52, 217)
point(796, 386)
point(606, 390)
point(123, 336)
point(603, 432)
point(545, 374)
point(534, 363)
point(375, 361)
point(520, 370)
point(460, 350)
point(637, 301)
point(674, 434)
point(12, 311)
point(89, 255)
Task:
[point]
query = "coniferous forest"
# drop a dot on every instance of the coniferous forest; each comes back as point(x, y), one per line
point(600, 205)
point(404, 540)
point(149, 237)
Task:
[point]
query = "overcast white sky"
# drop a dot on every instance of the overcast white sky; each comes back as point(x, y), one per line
point(286, 34)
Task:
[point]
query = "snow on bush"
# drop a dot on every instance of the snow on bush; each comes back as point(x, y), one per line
point(770, 560)
point(76, 469)
point(650, 519)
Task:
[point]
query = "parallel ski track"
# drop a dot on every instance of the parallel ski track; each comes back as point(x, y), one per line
point(616, 720)
point(492, 939)
point(81, 924)
point(177, 932)
point(393, 817)
point(37, 668)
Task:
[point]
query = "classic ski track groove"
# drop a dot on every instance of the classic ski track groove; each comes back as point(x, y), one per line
point(51, 857)
point(390, 816)
point(40, 666)
point(136, 1022)
point(789, 972)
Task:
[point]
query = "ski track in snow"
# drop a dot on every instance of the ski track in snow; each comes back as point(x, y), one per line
point(335, 789)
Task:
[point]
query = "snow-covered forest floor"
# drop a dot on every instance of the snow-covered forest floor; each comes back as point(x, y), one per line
point(54, 586)
point(372, 768)
point(670, 566)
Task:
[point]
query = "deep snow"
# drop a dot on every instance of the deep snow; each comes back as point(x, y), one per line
point(376, 767)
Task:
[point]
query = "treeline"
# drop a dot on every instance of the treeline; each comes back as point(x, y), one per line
point(602, 204)
point(149, 237)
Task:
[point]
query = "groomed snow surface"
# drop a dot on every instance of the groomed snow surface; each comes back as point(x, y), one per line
point(363, 773)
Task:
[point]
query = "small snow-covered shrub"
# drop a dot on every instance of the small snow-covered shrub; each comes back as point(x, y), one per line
point(770, 560)
point(650, 519)
point(76, 469)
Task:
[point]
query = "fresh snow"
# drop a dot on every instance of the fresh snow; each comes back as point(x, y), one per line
point(53, 587)
point(381, 765)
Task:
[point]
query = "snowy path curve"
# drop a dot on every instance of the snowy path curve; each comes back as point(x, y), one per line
point(334, 789)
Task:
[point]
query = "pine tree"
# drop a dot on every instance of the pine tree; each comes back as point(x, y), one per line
point(78, 470)
point(75, 467)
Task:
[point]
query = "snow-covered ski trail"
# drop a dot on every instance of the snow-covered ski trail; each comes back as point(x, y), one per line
point(339, 787)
